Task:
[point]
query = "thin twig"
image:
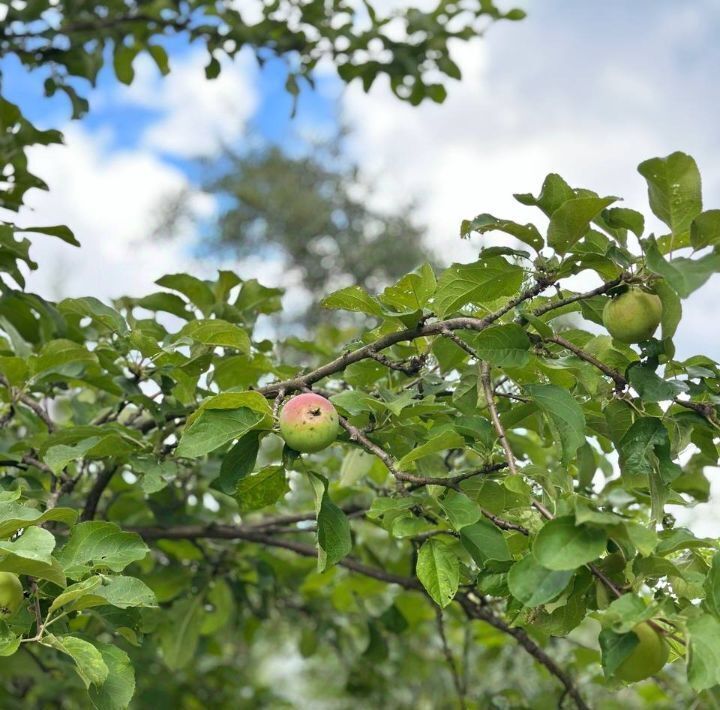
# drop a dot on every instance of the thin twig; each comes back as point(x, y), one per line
point(278, 401)
point(26, 399)
point(499, 429)
point(410, 367)
point(450, 659)
point(447, 333)
point(704, 410)
point(476, 610)
point(451, 482)
point(619, 380)
point(581, 296)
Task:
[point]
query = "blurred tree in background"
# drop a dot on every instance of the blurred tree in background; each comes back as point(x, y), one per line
point(312, 211)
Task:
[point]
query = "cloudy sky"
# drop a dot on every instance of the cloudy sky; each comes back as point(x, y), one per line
point(588, 90)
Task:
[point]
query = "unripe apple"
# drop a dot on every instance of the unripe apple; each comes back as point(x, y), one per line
point(647, 658)
point(308, 423)
point(633, 316)
point(11, 594)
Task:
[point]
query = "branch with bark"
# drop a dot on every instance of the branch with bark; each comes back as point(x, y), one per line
point(473, 607)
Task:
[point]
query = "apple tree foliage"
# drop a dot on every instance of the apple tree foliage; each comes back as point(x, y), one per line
point(489, 527)
point(500, 484)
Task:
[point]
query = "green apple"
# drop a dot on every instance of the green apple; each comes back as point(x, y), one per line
point(647, 658)
point(11, 594)
point(308, 423)
point(633, 316)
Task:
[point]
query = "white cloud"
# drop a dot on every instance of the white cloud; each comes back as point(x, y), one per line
point(109, 200)
point(110, 197)
point(197, 115)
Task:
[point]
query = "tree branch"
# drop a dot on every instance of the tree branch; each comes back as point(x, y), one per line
point(101, 483)
point(476, 610)
point(418, 481)
point(499, 429)
point(604, 288)
point(473, 609)
point(419, 331)
point(619, 380)
point(26, 399)
point(704, 410)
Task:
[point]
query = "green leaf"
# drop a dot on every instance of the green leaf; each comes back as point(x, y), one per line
point(705, 230)
point(353, 298)
point(160, 56)
point(89, 662)
point(684, 275)
point(563, 545)
point(61, 357)
point(412, 291)
point(216, 332)
point(180, 633)
point(118, 590)
point(195, 290)
point(626, 612)
point(484, 542)
point(438, 569)
point(261, 489)
point(14, 516)
point(91, 308)
point(671, 309)
point(532, 584)
point(168, 302)
point(58, 457)
point(461, 511)
point(448, 439)
point(624, 218)
point(123, 57)
point(615, 649)
point(238, 463)
point(503, 346)
point(712, 587)
point(221, 598)
point(97, 545)
point(645, 450)
point(60, 231)
point(526, 233)
point(674, 190)
point(75, 592)
point(333, 529)
point(651, 387)
point(156, 474)
point(215, 427)
point(703, 664)
point(554, 193)
point(571, 221)
point(237, 400)
point(565, 413)
point(118, 689)
point(478, 283)
point(31, 553)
